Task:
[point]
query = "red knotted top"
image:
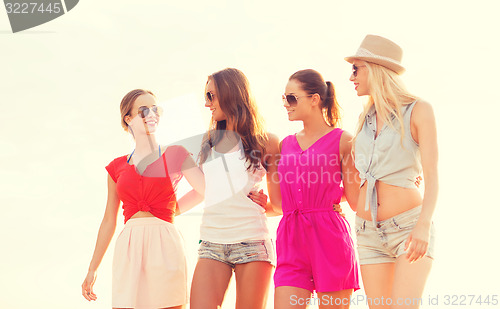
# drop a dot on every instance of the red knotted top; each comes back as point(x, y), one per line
point(154, 190)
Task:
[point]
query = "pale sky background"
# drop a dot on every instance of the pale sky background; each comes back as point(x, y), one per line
point(62, 83)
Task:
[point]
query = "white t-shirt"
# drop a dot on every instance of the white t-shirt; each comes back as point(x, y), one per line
point(230, 216)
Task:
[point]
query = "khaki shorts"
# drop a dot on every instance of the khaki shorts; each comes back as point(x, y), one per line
point(385, 242)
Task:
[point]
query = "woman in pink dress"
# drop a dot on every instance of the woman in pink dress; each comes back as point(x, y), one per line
point(315, 250)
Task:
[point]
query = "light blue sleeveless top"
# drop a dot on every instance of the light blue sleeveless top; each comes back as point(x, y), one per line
point(385, 158)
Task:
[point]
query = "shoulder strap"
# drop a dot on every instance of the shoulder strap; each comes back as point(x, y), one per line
point(285, 142)
point(410, 107)
point(130, 157)
point(407, 113)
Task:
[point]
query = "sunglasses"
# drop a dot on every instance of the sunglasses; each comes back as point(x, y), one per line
point(292, 99)
point(143, 111)
point(210, 96)
point(355, 69)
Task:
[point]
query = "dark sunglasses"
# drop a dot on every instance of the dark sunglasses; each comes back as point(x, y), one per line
point(292, 99)
point(355, 69)
point(210, 96)
point(143, 111)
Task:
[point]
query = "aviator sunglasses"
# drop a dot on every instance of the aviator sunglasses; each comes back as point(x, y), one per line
point(143, 111)
point(292, 99)
point(355, 69)
point(210, 96)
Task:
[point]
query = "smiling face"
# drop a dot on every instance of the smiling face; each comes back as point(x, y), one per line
point(361, 79)
point(303, 107)
point(212, 102)
point(149, 123)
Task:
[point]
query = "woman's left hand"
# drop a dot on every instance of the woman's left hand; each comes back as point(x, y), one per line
point(338, 208)
point(417, 242)
point(88, 286)
point(258, 197)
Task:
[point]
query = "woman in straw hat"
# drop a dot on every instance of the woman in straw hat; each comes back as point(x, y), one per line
point(394, 142)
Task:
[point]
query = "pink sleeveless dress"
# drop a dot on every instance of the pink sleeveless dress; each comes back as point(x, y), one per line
point(314, 245)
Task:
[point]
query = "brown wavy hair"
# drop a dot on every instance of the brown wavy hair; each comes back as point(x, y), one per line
point(236, 101)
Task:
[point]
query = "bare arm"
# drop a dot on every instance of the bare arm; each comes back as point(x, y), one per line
point(273, 208)
point(425, 124)
point(106, 231)
point(424, 132)
point(196, 179)
point(350, 175)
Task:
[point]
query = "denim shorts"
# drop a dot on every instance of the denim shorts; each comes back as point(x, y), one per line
point(238, 253)
point(384, 242)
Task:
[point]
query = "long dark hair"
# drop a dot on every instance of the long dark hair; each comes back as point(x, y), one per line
point(312, 82)
point(237, 103)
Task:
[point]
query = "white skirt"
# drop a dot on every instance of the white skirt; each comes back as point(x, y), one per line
point(149, 265)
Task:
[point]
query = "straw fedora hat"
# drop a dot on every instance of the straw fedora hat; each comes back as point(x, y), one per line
point(379, 50)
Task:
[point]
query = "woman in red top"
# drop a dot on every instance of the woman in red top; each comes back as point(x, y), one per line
point(149, 265)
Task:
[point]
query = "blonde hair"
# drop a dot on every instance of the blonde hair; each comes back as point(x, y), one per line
point(388, 93)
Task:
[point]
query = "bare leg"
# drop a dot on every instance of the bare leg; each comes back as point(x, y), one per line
point(335, 300)
point(252, 284)
point(289, 297)
point(409, 282)
point(210, 282)
point(378, 281)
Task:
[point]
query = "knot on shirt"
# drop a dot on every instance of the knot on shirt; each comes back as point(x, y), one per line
point(371, 191)
point(143, 206)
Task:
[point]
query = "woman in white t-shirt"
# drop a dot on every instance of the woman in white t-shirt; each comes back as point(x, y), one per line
point(235, 156)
